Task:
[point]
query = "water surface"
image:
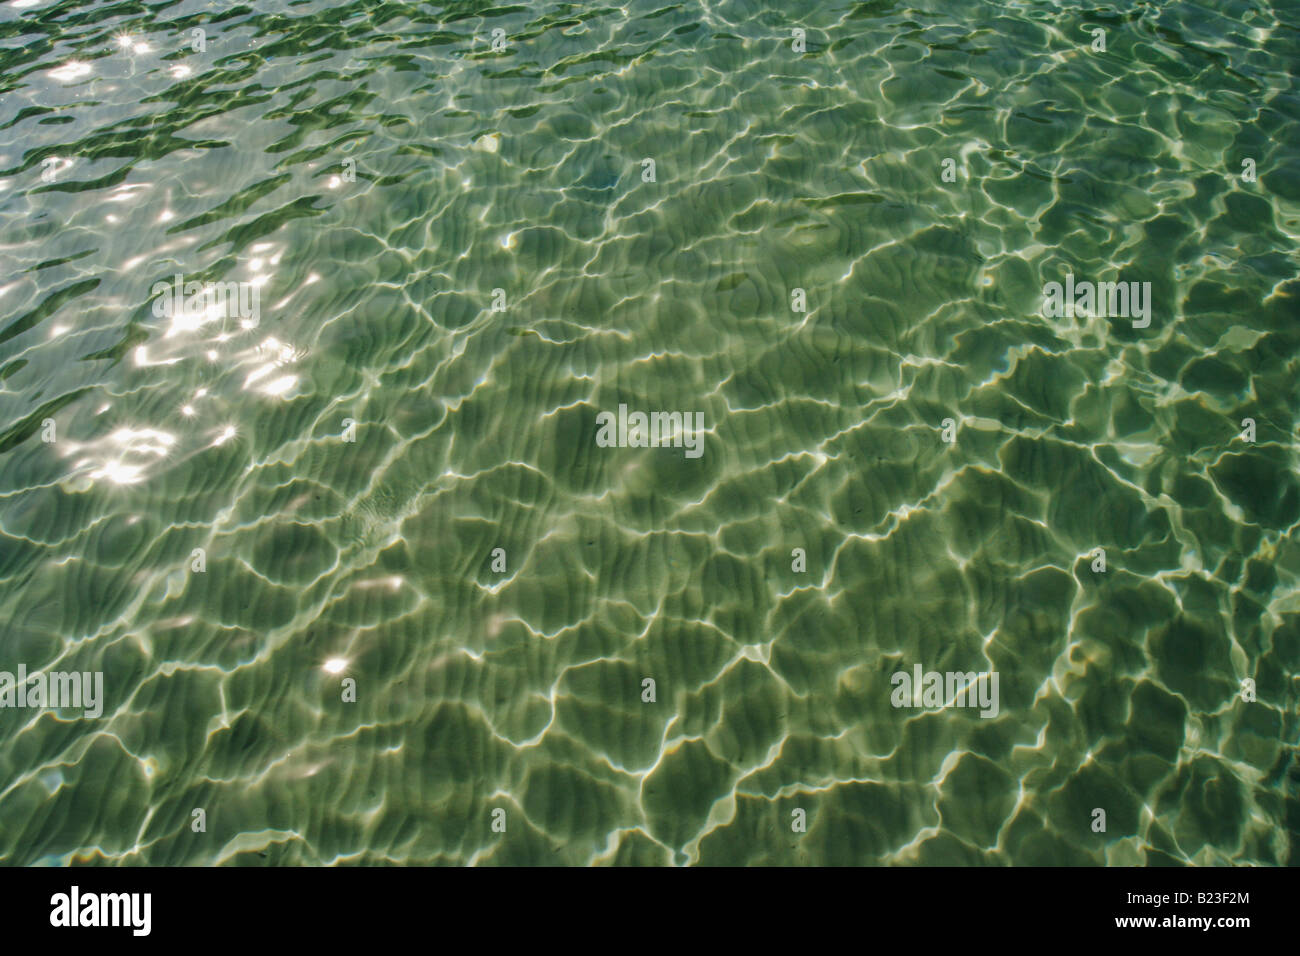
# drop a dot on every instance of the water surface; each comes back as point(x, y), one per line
point(349, 463)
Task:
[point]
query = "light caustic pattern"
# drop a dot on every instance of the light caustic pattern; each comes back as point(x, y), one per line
point(232, 516)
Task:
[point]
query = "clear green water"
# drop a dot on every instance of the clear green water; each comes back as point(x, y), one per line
point(474, 429)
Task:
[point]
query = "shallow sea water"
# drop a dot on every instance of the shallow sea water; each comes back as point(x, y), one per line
point(349, 462)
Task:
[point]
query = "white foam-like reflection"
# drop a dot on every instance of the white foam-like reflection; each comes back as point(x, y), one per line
point(119, 473)
point(270, 357)
point(72, 70)
point(123, 456)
